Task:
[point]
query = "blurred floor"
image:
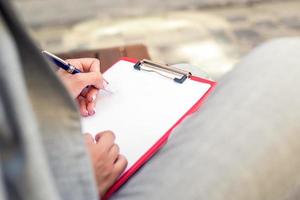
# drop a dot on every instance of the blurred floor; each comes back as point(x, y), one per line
point(213, 39)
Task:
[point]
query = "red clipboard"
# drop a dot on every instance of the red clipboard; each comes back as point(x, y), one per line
point(163, 140)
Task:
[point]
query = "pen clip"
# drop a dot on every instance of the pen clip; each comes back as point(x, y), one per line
point(178, 75)
point(55, 58)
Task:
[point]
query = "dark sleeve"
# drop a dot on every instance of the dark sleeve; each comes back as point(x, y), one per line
point(42, 119)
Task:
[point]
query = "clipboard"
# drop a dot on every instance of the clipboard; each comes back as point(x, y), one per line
point(171, 85)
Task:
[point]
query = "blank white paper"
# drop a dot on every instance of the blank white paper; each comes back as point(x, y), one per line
point(143, 107)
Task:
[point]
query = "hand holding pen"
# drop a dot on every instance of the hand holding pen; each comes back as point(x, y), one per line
point(82, 86)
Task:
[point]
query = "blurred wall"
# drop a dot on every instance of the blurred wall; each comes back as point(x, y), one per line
point(49, 12)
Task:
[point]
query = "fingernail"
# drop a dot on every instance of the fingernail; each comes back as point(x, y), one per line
point(92, 112)
point(105, 81)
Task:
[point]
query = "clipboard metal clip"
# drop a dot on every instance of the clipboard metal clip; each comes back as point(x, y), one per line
point(178, 75)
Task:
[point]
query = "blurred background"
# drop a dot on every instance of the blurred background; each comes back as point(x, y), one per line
point(210, 34)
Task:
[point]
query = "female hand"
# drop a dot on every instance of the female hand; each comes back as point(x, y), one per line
point(83, 86)
point(107, 161)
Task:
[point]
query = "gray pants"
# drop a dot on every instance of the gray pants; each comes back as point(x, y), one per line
point(242, 144)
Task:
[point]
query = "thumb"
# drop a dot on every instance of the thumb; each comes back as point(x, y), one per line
point(90, 78)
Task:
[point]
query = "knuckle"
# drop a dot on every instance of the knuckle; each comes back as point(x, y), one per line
point(121, 166)
point(102, 150)
point(123, 160)
point(105, 173)
point(80, 79)
point(96, 64)
point(108, 170)
point(109, 134)
point(98, 78)
point(99, 75)
point(96, 61)
point(117, 148)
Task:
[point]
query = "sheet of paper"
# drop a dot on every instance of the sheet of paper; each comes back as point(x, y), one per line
point(143, 107)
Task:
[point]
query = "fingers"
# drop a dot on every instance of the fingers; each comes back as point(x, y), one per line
point(114, 153)
point(86, 84)
point(91, 108)
point(107, 162)
point(92, 94)
point(90, 78)
point(83, 106)
point(97, 137)
point(87, 101)
point(120, 164)
point(118, 168)
point(94, 65)
point(85, 91)
point(86, 108)
point(86, 64)
point(76, 63)
point(105, 139)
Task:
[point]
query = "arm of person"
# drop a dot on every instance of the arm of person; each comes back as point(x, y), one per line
point(105, 155)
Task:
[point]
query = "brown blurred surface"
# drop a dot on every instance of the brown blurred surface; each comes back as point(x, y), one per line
point(109, 56)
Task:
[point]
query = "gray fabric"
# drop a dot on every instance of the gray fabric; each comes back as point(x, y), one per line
point(41, 125)
point(242, 144)
point(17, 116)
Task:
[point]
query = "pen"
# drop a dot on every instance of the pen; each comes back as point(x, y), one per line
point(64, 65)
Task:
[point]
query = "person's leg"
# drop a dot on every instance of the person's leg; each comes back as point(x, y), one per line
point(243, 142)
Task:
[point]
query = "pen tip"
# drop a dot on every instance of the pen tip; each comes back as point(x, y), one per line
point(105, 81)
